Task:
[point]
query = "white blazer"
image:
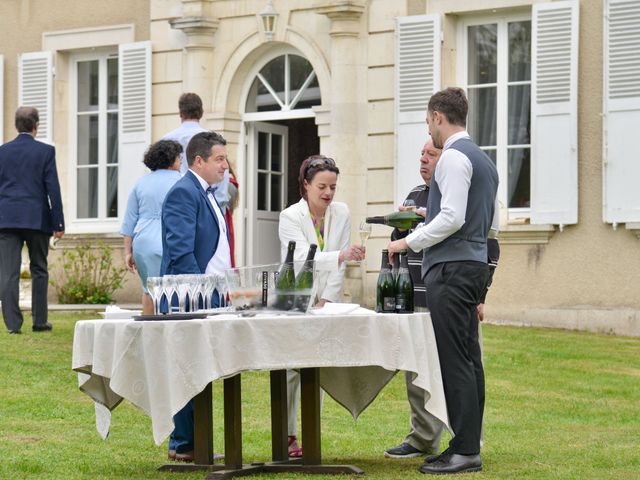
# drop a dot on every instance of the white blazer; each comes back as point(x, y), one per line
point(296, 224)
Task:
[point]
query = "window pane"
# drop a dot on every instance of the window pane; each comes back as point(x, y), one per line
point(519, 51)
point(519, 114)
point(300, 69)
point(273, 73)
point(87, 192)
point(276, 153)
point(88, 86)
point(482, 115)
point(482, 59)
point(112, 83)
point(262, 190)
point(263, 139)
point(112, 138)
point(87, 139)
point(276, 189)
point(519, 180)
point(112, 192)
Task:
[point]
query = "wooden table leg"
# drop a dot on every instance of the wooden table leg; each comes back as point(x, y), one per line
point(232, 423)
point(203, 427)
point(310, 399)
point(279, 433)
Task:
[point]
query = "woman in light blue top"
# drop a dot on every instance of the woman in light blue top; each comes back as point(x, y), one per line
point(141, 228)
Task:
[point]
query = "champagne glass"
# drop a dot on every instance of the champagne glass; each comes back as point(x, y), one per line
point(409, 204)
point(154, 285)
point(364, 231)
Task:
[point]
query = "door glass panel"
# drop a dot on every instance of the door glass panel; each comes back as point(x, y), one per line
point(263, 178)
point(87, 139)
point(519, 114)
point(87, 192)
point(276, 193)
point(276, 152)
point(112, 192)
point(519, 51)
point(519, 180)
point(88, 86)
point(483, 115)
point(273, 73)
point(482, 58)
point(263, 139)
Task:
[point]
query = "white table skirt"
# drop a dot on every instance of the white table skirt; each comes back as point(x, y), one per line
point(160, 365)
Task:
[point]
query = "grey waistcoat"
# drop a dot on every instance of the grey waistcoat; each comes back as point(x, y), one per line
point(470, 242)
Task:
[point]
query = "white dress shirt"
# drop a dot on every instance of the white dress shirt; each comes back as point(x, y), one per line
point(453, 174)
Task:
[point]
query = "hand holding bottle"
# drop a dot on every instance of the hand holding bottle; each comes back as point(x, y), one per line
point(354, 253)
point(396, 247)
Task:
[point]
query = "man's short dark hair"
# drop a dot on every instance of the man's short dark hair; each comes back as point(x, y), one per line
point(452, 103)
point(201, 144)
point(190, 106)
point(27, 119)
point(162, 154)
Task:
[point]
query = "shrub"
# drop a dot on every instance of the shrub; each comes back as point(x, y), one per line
point(87, 275)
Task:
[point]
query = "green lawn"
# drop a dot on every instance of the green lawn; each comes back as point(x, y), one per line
point(560, 405)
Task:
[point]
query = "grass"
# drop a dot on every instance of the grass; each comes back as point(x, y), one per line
point(560, 405)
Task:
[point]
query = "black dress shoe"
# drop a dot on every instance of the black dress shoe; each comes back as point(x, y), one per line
point(453, 463)
point(433, 458)
point(47, 327)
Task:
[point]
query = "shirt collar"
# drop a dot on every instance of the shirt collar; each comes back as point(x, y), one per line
point(455, 137)
point(201, 181)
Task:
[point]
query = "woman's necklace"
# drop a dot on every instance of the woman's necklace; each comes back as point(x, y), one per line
point(318, 226)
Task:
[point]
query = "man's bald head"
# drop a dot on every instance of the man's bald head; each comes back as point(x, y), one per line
point(27, 119)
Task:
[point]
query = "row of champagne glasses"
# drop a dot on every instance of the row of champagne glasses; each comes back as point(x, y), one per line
point(193, 291)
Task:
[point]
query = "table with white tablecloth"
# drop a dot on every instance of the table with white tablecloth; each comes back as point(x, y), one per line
point(160, 365)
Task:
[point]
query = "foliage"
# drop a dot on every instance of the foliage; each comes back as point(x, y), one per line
point(560, 406)
point(87, 275)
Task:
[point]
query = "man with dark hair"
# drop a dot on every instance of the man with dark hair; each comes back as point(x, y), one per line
point(461, 215)
point(191, 111)
point(30, 212)
point(195, 241)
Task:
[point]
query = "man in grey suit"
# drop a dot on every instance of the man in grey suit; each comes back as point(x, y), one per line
point(30, 212)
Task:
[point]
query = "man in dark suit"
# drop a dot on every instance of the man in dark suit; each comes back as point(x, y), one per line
point(30, 212)
point(195, 240)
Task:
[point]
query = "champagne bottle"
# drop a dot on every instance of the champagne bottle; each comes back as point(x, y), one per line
point(385, 289)
point(395, 267)
point(404, 286)
point(404, 220)
point(304, 280)
point(286, 281)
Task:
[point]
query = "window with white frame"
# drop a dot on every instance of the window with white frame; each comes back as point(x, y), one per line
point(94, 97)
point(495, 66)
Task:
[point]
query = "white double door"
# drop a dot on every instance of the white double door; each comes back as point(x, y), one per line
point(267, 190)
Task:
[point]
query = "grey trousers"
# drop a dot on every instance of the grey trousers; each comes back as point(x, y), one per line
point(11, 242)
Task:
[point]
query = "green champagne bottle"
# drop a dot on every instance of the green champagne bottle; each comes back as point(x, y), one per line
point(404, 286)
point(286, 281)
point(385, 289)
point(404, 220)
point(304, 280)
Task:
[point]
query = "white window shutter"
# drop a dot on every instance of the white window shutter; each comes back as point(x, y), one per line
point(621, 111)
point(1, 99)
point(417, 77)
point(35, 89)
point(554, 113)
point(134, 120)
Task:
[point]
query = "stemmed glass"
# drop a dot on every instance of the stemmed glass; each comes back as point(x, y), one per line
point(169, 286)
point(183, 289)
point(154, 285)
point(409, 204)
point(364, 230)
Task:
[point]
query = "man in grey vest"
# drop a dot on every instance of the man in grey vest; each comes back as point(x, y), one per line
point(461, 215)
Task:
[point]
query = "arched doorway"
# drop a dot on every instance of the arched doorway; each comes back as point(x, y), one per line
point(280, 132)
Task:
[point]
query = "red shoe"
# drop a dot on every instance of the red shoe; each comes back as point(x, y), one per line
point(295, 450)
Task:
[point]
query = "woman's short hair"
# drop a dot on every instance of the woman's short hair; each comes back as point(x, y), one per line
point(162, 154)
point(312, 165)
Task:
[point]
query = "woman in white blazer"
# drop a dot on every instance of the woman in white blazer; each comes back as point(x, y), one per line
point(316, 218)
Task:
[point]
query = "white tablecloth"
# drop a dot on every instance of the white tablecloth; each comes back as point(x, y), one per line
point(160, 365)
